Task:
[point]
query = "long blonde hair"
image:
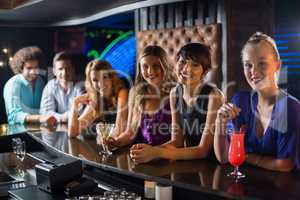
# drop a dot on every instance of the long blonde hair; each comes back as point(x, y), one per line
point(101, 65)
point(141, 85)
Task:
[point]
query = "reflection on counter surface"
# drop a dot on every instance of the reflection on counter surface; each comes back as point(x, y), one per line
point(15, 174)
point(205, 176)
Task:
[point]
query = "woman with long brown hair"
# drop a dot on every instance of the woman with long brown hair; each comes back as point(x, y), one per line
point(149, 116)
point(105, 100)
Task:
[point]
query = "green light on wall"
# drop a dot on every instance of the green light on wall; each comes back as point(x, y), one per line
point(95, 54)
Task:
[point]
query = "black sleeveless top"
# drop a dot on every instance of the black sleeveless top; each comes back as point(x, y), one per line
point(192, 119)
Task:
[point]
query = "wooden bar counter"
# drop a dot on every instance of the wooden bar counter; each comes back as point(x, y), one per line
point(197, 179)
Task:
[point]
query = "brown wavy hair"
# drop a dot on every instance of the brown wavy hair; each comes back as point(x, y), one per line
point(101, 65)
point(26, 54)
point(141, 85)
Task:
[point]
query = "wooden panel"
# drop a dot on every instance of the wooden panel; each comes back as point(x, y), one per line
point(137, 22)
point(161, 17)
point(144, 18)
point(189, 7)
point(212, 12)
point(171, 16)
point(152, 17)
point(187, 13)
point(179, 14)
point(200, 13)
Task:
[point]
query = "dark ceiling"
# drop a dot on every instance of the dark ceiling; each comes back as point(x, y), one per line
point(67, 12)
point(56, 12)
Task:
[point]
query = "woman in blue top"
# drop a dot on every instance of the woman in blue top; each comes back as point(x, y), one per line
point(270, 114)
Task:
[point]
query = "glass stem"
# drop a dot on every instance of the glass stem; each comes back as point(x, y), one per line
point(236, 170)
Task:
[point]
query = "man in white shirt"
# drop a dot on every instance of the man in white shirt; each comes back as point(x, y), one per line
point(59, 92)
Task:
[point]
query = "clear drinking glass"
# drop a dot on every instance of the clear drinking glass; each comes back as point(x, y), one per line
point(121, 194)
point(19, 148)
point(104, 130)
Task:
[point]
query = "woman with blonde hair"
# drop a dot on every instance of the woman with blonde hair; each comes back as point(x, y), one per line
point(270, 114)
point(105, 100)
point(149, 116)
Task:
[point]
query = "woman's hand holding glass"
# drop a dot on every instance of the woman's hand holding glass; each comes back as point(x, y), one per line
point(111, 143)
point(142, 153)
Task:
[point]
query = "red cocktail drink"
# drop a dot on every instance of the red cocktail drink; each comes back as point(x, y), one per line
point(236, 154)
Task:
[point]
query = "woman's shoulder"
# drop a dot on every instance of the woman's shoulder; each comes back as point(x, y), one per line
point(285, 98)
point(122, 95)
point(288, 111)
point(123, 91)
point(216, 97)
point(213, 90)
point(293, 103)
point(293, 100)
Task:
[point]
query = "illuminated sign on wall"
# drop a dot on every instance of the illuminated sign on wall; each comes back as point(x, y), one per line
point(116, 46)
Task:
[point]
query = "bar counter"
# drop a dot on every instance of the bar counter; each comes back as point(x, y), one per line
point(197, 179)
